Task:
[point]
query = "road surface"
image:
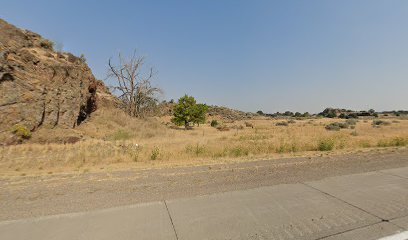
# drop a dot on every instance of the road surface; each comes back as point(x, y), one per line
point(371, 204)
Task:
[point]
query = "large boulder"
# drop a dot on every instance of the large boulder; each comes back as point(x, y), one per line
point(40, 87)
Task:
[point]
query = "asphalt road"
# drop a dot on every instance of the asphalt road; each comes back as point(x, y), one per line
point(371, 205)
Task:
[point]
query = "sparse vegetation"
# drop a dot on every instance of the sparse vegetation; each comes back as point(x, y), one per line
point(283, 123)
point(155, 153)
point(223, 128)
point(120, 134)
point(351, 122)
point(336, 126)
point(47, 44)
point(248, 124)
point(214, 123)
point(326, 144)
point(119, 139)
point(21, 131)
point(394, 142)
point(377, 123)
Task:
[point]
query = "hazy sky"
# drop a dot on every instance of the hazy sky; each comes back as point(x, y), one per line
point(250, 55)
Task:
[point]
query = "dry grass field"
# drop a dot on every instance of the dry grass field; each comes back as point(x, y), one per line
point(114, 140)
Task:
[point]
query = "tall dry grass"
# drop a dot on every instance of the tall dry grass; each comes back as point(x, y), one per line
point(114, 139)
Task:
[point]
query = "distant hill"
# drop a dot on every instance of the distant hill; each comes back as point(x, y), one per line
point(224, 113)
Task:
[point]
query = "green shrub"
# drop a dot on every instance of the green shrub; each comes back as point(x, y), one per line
point(155, 153)
point(214, 123)
point(21, 131)
point(326, 144)
point(291, 121)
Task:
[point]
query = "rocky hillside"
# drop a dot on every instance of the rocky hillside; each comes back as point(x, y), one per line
point(40, 88)
point(223, 113)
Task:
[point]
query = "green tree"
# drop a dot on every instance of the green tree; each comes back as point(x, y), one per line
point(187, 111)
point(199, 113)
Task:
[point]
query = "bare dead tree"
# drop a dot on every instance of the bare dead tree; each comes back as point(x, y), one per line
point(134, 85)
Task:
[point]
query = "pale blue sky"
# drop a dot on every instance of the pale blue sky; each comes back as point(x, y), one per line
point(251, 55)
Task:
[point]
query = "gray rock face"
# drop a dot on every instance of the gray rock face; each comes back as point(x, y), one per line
point(40, 87)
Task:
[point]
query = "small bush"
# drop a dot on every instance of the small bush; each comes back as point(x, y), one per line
point(380, 123)
point(351, 121)
point(291, 121)
point(21, 131)
point(47, 44)
point(326, 144)
point(283, 123)
point(214, 123)
point(354, 133)
point(336, 126)
point(332, 127)
point(82, 58)
point(155, 153)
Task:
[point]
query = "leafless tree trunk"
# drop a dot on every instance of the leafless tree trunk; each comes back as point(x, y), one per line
point(134, 86)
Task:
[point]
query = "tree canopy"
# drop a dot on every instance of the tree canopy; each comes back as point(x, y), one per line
point(187, 111)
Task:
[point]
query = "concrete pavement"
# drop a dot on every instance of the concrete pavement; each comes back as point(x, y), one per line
point(371, 205)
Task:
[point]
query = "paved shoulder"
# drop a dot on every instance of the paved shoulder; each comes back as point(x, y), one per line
point(380, 194)
point(145, 221)
point(280, 212)
point(373, 232)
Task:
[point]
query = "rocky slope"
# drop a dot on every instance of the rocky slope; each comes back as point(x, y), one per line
point(40, 88)
point(223, 113)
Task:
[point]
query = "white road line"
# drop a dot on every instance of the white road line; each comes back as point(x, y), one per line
point(398, 236)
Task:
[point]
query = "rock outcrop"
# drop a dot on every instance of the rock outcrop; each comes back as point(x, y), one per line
point(40, 87)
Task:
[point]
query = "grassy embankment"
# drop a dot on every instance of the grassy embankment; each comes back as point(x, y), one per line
point(115, 140)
